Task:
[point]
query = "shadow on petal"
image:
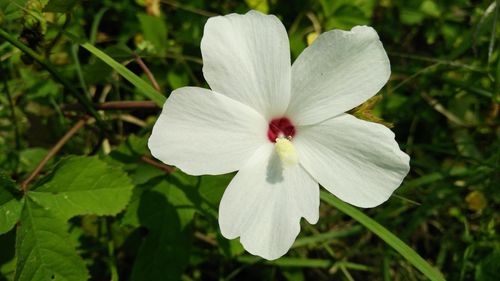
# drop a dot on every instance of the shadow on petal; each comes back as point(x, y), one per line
point(274, 172)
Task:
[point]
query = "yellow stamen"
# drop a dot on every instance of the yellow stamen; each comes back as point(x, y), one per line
point(286, 151)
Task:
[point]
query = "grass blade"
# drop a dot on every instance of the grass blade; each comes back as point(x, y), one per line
point(391, 239)
point(145, 88)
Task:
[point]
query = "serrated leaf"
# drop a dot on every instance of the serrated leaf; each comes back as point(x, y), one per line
point(166, 211)
point(10, 203)
point(84, 185)
point(43, 249)
point(60, 6)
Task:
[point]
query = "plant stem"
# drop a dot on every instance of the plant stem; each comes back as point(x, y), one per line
point(117, 105)
point(193, 10)
point(113, 105)
point(148, 72)
point(79, 72)
point(53, 151)
point(111, 251)
point(38, 58)
point(161, 166)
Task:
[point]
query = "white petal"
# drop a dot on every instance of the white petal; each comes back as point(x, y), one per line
point(338, 72)
point(357, 161)
point(264, 202)
point(203, 132)
point(247, 57)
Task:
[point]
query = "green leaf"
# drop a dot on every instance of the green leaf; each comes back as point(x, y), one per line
point(408, 253)
point(430, 8)
point(84, 185)
point(10, 203)
point(43, 248)
point(172, 188)
point(60, 6)
point(146, 89)
point(259, 5)
point(346, 17)
point(212, 188)
point(30, 157)
point(177, 79)
point(154, 30)
point(411, 16)
point(487, 269)
point(165, 211)
point(7, 256)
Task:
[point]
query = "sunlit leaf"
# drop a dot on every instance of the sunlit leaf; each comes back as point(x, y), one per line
point(84, 185)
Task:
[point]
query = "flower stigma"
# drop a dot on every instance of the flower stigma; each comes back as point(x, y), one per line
point(286, 151)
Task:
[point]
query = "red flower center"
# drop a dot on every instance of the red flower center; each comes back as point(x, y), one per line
point(280, 127)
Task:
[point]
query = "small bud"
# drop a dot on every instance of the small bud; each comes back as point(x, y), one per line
point(365, 111)
point(311, 37)
point(476, 201)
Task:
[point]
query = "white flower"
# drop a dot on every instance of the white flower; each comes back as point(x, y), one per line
point(282, 126)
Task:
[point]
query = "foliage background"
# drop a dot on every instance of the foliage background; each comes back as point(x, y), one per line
point(130, 219)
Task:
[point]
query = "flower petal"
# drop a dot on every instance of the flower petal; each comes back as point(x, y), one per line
point(247, 58)
point(203, 132)
point(264, 202)
point(357, 161)
point(338, 72)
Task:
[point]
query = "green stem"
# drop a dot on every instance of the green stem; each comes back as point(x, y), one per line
point(79, 72)
point(38, 58)
point(95, 25)
point(111, 250)
point(391, 239)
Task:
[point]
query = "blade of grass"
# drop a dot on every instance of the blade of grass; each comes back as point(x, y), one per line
point(391, 239)
point(493, 32)
point(319, 238)
point(145, 88)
